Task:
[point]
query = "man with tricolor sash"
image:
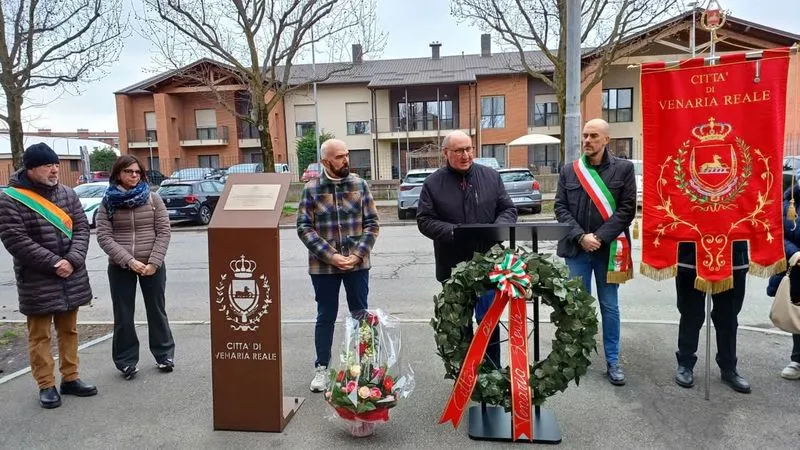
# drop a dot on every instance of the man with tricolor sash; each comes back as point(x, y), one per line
point(43, 226)
point(597, 197)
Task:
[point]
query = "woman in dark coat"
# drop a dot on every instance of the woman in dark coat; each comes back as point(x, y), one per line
point(791, 242)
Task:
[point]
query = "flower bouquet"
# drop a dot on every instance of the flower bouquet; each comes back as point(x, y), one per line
point(368, 381)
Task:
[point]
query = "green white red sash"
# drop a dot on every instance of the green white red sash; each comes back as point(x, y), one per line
point(44, 207)
point(620, 262)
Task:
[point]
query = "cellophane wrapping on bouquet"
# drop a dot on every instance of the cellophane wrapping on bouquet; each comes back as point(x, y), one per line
point(369, 379)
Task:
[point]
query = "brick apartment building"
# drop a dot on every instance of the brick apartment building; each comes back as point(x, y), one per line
point(394, 113)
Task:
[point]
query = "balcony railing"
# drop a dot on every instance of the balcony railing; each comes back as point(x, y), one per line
point(403, 124)
point(141, 138)
point(204, 136)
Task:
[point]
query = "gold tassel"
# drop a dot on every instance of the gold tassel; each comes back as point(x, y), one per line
point(791, 213)
point(767, 271)
point(619, 277)
point(715, 287)
point(658, 274)
point(636, 229)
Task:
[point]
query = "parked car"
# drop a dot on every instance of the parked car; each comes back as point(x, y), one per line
point(191, 200)
point(523, 188)
point(91, 195)
point(312, 171)
point(638, 169)
point(192, 174)
point(242, 168)
point(155, 177)
point(408, 192)
point(491, 162)
point(281, 168)
point(94, 176)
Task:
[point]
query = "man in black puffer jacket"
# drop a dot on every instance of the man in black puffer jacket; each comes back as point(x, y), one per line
point(460, 193)
point(43, 226)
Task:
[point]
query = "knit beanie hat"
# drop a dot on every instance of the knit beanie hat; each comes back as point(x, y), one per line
point(39, 155)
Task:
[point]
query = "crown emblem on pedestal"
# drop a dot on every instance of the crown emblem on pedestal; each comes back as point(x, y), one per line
point(243, 268)
point(713, 131)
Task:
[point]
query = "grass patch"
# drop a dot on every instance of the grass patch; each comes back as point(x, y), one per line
point(548, 207)
point(288, 210)
point(7, 336)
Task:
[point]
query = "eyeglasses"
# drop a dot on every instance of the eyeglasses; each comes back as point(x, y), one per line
point(462, 151)
point(132, 172)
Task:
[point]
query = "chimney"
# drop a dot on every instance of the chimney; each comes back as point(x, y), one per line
point(486, 44)
point(435, 46)
point(358, 54)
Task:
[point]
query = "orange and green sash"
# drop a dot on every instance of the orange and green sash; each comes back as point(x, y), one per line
point(620, 262)
point(44, 207)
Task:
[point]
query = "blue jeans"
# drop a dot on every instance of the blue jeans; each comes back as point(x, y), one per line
point(326, 293)
point(582, 266)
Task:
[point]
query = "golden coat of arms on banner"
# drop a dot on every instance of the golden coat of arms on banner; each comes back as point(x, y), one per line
point(243, 298)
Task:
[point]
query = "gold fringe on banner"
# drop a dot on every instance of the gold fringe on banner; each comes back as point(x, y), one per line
point(767, 271)
point(658, 274)
point(714, 287)
point(636, 229)
point(619, 277)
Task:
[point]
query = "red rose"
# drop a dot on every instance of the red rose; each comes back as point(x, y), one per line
point(388, 384)
point(362, 348)
point(372, 319)
point(340, 376)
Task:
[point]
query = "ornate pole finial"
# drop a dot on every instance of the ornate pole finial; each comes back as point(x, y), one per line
point(713, 17)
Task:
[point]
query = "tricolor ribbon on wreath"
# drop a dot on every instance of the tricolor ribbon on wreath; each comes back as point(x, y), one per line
point(512, 284)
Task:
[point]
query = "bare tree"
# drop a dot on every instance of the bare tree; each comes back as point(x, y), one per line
point(525, 26)
point(55, 45)
point(260, 41)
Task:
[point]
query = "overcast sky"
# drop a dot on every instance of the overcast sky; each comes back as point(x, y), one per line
point(411, 25)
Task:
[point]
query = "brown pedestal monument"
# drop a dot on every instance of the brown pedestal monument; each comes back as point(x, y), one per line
point(245, 288)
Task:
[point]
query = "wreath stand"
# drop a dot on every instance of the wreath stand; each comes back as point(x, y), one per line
point(493, 423)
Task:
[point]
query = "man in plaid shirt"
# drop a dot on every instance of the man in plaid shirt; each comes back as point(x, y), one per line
point(338, 223)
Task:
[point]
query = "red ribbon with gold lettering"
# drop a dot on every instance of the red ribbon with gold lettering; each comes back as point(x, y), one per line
point(522, 425)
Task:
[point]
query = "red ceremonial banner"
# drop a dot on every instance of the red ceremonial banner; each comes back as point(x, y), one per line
point(712, 157)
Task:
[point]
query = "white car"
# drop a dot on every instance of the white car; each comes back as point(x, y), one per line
point(91, 195)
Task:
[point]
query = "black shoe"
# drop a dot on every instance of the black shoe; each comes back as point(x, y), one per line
point(736, 382)
point(684, 377)
point(129, 372)
point(49, 398)
point(78, 388)
point(166, 365)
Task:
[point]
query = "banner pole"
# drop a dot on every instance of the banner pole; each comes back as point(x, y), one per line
point(708, 344)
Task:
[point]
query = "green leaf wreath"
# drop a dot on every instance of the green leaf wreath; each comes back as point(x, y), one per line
point(573, 315)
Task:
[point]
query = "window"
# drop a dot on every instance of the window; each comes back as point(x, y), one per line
point(618, 105)
point(428, 115)
point(544, 157)
point(360, 127)
point(358, 117)
point(496, 151)
point(622, 147)
point(73, 165)
point(211, 161)
point(206, 123)
point(150, 126)
point(304, 128)
point(360, 163)
point(153, 163)
point(546, 115)
point(493, 112)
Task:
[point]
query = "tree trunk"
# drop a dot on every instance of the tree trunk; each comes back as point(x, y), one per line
point(265, 137)
point(14, 105)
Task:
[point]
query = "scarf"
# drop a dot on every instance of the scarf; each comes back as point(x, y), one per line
point(116, 197)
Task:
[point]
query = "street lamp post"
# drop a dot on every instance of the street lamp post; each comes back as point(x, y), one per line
point(150, 146)
point(572, 115)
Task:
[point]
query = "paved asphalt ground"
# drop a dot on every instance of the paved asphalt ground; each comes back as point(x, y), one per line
point(175, 410)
